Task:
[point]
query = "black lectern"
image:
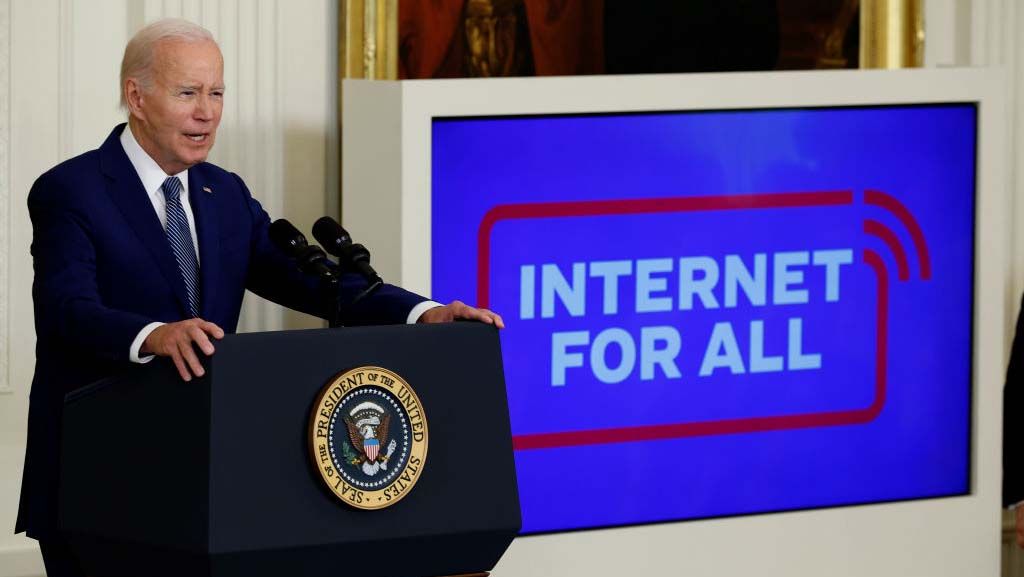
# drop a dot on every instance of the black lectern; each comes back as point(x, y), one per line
point(215, 476)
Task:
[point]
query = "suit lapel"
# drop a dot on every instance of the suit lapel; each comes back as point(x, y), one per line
point(201, 196)
point(128, 193)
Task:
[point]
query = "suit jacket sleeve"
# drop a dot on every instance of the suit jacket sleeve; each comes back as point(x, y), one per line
point(1013, 432)
point(68, 306)
point(276, 277)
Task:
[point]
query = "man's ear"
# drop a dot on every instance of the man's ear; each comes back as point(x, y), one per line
point(133, 96)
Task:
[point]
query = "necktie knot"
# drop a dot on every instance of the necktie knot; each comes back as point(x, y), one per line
point(172, 188)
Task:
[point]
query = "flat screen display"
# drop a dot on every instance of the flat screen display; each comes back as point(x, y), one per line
point(717, 313)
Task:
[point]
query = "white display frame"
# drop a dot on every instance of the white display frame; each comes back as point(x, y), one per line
point(386, 204)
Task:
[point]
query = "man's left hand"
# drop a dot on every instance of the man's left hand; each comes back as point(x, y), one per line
point(458, 310)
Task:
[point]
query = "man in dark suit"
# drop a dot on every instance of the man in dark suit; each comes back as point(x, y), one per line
point(143, 249)
point(1013, 432)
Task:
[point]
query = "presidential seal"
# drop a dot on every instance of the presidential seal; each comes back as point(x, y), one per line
point(368, 437)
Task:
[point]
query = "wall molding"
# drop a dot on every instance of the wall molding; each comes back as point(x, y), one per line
point(66, 79)
point(5, 194)
point(995, 43)
point(252, 131)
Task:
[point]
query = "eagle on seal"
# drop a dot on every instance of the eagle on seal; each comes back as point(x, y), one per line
point(368, 433)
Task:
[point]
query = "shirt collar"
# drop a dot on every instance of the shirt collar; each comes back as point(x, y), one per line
point(150, 173)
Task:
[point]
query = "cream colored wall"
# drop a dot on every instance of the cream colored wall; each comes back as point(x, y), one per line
point(59, 62)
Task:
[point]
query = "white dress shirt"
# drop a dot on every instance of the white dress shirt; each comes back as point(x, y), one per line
point(153, 177)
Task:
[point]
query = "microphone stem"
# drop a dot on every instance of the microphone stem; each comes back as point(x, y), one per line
point(332, 298)
point(375, 284)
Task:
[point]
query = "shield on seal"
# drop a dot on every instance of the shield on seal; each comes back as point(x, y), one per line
point(371, 447)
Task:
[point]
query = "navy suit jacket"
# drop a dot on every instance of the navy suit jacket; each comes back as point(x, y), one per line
point(104, 270)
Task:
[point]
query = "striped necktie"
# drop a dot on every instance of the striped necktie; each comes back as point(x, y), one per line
point(180, 238)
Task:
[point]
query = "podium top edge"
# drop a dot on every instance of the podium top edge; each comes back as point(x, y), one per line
point(240, 338)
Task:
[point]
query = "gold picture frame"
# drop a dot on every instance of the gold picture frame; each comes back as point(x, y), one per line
point(892, 34)
point(368, 39)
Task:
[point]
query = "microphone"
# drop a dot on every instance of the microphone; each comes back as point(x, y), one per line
point(329, 233)
point(338, 242)
point(311, 258)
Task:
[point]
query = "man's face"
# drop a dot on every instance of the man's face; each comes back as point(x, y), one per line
point(177, 116)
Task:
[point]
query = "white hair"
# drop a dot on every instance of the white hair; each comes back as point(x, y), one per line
point(138, 54)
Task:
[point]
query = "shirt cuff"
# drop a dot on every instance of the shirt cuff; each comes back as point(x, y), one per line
point(133, 352)
point(418, 310)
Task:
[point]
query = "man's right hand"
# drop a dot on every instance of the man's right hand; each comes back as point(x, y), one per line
point(175, 340)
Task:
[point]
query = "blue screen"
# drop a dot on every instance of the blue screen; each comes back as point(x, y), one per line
point(715, 313)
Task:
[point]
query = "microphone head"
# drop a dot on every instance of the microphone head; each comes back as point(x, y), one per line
point(331, 235)
point(287, 237)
